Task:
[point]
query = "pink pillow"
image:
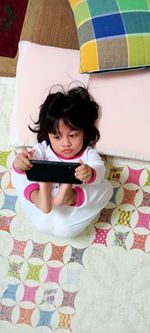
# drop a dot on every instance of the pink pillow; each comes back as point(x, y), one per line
point(39, 67)
point(125, 114)
point(124, 99)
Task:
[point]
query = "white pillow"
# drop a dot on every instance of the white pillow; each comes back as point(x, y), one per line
point(125, 113)
point(39, 67)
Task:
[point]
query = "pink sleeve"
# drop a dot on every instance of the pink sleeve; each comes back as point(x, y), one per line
point(29, 189)
point(17, 170)
point(93, 177)
point(80, 196)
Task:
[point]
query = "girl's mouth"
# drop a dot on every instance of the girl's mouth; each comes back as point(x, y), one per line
point(67, 151)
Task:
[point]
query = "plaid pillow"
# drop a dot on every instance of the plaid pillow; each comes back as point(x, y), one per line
point(113, 34)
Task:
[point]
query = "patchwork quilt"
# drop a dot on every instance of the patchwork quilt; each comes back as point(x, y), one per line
point(96, 282)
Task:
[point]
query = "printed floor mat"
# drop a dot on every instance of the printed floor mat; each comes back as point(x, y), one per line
point(66, 285)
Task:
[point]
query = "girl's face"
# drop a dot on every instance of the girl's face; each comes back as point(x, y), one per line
point(66, 142)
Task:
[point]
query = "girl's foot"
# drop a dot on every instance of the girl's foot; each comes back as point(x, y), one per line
point(65, 196)
point(42, 197)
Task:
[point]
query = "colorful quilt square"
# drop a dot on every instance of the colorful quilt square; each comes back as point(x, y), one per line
point(81, 12)
point(86, 32)
point(132, 5)
point(137, 53)
point(102, 7)
point(136, 22)
point(107, 26)
point(75, 2)
point(92, 60)
point(146, 42)
point(105, 56)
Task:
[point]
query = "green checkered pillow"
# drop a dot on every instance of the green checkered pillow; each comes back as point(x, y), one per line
point(113, 34)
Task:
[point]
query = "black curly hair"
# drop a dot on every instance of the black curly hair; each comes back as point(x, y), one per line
point(76, 108)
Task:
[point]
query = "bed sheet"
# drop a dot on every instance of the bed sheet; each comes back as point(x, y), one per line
point(96, 282)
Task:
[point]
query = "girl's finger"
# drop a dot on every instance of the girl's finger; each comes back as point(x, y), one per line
point(25, 161)
point(27, 153)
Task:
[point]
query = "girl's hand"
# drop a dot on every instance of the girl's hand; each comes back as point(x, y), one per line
point(23, 160)
point(83, 172)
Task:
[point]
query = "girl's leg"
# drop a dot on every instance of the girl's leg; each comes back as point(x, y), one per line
point(42, 197)
point(65, 196)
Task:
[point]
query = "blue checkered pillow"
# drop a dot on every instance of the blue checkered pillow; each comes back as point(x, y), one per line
point(113, 34)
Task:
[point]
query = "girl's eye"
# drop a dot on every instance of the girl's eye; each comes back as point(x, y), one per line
point(73, 135)
point(57, 137)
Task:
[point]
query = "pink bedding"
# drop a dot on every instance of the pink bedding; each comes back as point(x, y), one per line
point(125, 113)
point(124, 99)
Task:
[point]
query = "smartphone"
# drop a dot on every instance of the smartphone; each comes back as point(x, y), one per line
point(55, 172)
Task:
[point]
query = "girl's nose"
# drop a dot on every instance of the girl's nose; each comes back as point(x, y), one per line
point(66, 141)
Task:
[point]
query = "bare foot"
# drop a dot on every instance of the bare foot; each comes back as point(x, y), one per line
point(42, 197)
point(65, 196)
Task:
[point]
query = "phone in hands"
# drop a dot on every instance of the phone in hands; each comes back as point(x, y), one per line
point(55, 172)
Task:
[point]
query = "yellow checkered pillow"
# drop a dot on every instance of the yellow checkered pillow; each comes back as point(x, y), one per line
point(113, 34)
